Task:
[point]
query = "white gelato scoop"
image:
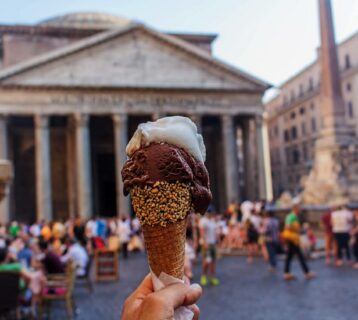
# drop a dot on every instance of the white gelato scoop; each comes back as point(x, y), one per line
point(176, 130)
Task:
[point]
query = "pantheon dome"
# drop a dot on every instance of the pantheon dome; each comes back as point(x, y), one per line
point(86, 20)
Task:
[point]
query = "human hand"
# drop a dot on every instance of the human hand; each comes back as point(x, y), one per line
point(145, 304)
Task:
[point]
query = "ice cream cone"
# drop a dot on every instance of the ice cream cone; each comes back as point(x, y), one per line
point(162, 211)
point(166, 178)
point(165, 248)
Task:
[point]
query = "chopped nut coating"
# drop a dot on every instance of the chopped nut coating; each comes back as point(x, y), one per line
point(161, 204)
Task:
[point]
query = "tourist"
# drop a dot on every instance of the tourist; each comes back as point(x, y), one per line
point(291, 235)
point(233, 212)
point(145, 304)
point(50, 260)
point(246, 209)
point(271, 233)
point(355, 240)
point(188, 259)
point(14, 229)
point(208, 235)
point(35, 230)
point(46, 232)
point(124, 231)
point(252, 237)
point(78, 254)
point(79, 230)
point(341, 220)
point(330, 245)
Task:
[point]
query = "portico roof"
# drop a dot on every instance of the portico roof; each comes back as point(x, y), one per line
point(10, 75)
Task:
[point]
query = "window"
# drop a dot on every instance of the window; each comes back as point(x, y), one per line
point(313, 124)
point(296, 156)
point(286, 136)
point(288, 156)
point(294, 133)
point(350, 109)
point(347, 61)
point(285, 100)
point(349, 86)
point(310, 84)
point(293, 115)
point(305, 151)
point(302, 110)
point(301, 90)
point(303, 128)
point(312, 106)
point(292, 96)
point(289, 179)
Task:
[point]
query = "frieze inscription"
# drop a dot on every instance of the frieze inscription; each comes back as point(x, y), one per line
point(128, 101)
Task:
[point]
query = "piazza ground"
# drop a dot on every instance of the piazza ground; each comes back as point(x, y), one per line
point(246, 292)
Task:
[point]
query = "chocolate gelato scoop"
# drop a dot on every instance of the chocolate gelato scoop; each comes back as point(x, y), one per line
point(169, 163)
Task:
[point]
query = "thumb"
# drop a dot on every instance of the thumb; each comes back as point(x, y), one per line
point(180, 294)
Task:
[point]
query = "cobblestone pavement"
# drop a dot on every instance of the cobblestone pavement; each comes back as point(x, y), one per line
point(247, 292)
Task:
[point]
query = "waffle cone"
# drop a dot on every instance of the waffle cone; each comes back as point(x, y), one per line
point(166, 248)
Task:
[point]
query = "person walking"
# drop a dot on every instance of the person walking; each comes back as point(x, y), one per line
point(330, 244)
point(342, 220)
point(291, 234)
point(355, 240)
point(271, 233)
point(208, 234)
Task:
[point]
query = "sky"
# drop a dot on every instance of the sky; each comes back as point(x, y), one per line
point(270, 39)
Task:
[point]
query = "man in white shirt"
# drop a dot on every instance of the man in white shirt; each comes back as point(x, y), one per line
point(79, 255)
point(35, 230)
point(208, 236)
point(341, 220)
point(124, 231)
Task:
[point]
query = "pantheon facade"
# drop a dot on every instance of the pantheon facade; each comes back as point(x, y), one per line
point(73, 90)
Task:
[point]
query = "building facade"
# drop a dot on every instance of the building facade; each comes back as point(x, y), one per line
point(73, 90)
point(295, 117)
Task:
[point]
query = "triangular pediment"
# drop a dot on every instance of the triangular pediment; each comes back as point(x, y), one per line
point(134, 57)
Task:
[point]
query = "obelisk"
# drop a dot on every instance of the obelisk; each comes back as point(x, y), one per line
point(332, 179)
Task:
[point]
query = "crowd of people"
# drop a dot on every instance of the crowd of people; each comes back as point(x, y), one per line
point(43, 248)
point(256, 232)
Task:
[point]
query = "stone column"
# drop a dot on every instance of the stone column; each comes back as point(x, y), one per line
point(5, 203)
point(231, 170)
point(249, 160)
point(263, 154)
point(120, 141)
point(83, 166)
point(197, 119)
point(43, 168)
point(71, 167)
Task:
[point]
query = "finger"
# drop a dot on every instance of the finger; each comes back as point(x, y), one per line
point(195, 309)
point(180, 294)
point(146, 286)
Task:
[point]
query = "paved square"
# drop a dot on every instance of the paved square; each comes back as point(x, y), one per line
point(247, 292)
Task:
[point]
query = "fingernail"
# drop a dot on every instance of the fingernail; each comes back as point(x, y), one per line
point(195, 286)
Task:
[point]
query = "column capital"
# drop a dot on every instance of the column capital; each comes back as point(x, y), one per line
point(259, 119)
point(227, 118)
point(119, 118)
point(196, 117)
point(81, 119)
point(157, 115)
point(41, 121)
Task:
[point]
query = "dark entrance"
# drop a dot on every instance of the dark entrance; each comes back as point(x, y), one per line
point(103, 165)
point(106, 185)
point(22, 153)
